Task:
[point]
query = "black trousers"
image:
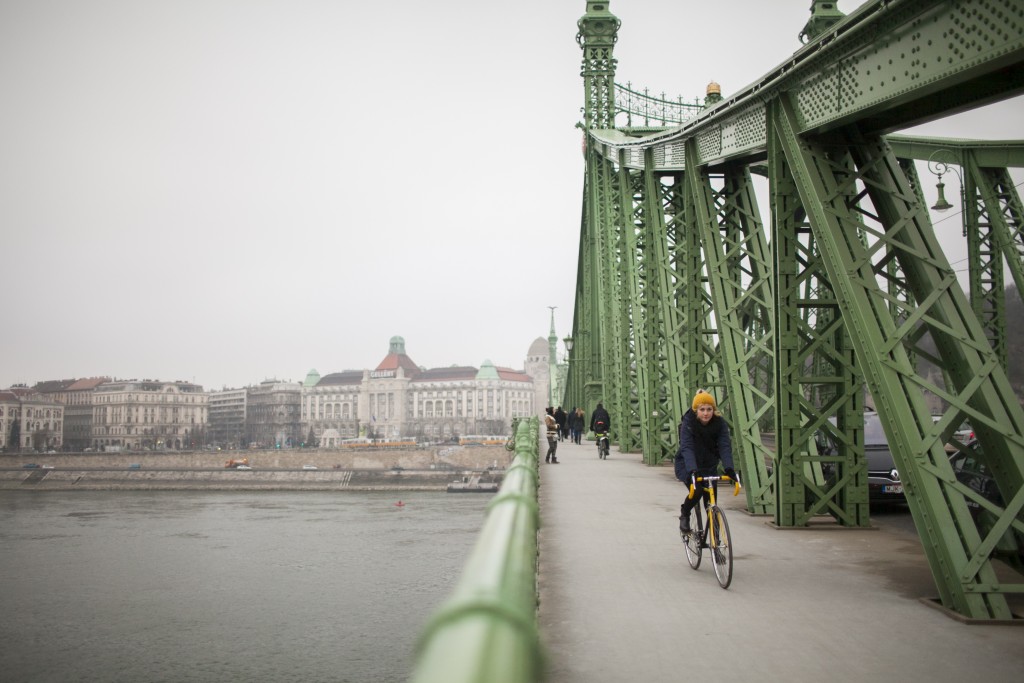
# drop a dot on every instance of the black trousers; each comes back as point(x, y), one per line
point(699, 493)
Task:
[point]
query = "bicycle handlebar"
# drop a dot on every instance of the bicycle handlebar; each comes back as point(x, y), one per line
point(695, 479)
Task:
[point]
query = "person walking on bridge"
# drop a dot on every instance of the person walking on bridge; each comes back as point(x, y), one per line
point(552, 432)
point(704, 441)
point(560, 419)
point(576, 423)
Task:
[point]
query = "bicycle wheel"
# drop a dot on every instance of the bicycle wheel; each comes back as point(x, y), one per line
point(692, 540)
point(721, 549)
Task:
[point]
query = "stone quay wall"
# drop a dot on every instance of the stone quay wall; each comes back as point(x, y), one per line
point(391, 470)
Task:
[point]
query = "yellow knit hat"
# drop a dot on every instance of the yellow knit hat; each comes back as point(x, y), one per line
point(703, 397)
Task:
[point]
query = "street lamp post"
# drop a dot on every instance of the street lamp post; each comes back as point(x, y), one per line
point(570, 384)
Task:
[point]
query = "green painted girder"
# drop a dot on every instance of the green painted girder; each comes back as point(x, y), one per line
point(900, 296)
point(701, 357)
point(748, 257)
point(586, 352)
point(890, 64)
point(724, 218)
point(599, 288)
point(613, 331)
point(664, 331)
point(958, 556)
point(991, 216)
point(648, 221)
point(810, 334)
point(987, 288)
point(987, 153)
point(635, 263)
point(624, 260)
point(1006, 215)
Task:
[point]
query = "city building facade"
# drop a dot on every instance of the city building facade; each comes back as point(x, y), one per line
point(226, 418)
point(76, 395)
point(398, 400)
point(272, 416)
point(330, 407)
point(148, 415)
point(30, 421)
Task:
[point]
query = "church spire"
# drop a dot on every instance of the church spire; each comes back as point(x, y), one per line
point(553, 389)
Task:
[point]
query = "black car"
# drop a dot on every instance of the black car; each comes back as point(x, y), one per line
point(884, 485)
point(971, 471)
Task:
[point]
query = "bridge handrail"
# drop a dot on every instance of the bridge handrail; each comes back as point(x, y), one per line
point(650, 109)
point(487, 630)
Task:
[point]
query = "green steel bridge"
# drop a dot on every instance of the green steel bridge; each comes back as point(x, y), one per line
point(841, 297)
point(838, 299)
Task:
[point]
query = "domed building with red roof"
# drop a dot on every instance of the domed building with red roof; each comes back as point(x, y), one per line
point(401, 400)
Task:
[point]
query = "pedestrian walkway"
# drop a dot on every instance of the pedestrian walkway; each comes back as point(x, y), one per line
point(618, 602)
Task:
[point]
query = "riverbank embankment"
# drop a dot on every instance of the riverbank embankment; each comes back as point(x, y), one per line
point(418, 469)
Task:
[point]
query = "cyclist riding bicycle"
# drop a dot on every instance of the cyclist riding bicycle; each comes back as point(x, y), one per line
point(601, 424)
point(703, 442)
point(600, 420)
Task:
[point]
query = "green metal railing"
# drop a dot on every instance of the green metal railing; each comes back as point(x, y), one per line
point(487, 630)
point(651, 110)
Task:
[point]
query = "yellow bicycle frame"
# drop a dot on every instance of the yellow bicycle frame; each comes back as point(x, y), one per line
point(710, 489)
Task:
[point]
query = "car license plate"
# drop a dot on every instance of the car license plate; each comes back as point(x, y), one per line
point(893, 488)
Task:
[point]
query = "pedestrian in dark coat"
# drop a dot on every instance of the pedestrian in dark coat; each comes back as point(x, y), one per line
point(576, 422)
point(560, 419)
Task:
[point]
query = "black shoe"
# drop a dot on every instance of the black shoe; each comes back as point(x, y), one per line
point(554, 462)
point(684, 524)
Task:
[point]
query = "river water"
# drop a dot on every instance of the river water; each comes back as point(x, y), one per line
point(222, 586)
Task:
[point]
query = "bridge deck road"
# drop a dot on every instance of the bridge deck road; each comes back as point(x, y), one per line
point(618, 602)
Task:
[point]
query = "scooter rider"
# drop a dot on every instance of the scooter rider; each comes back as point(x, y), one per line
point(600, 420)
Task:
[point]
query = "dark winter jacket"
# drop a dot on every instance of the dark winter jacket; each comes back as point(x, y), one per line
point(701, 447)
point(600, 415)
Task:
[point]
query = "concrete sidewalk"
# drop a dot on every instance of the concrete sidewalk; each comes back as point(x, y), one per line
point(618, 601)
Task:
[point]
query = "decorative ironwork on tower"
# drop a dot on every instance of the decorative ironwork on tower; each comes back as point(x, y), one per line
point(598, 32)
point(824, 13)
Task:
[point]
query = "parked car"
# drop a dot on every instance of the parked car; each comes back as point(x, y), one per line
point(31, 466)
point(884, 485)
point(309, 467)
point(964, 433)
point(243, 467)
point(971, 471)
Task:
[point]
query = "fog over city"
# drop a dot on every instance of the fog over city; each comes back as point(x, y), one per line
point(229, 191)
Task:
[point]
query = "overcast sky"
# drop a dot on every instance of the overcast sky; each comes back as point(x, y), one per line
point(226, 191)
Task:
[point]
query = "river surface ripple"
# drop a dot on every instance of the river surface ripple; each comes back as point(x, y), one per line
point(222, 586)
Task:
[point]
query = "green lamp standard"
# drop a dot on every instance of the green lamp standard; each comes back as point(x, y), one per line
point(570, 384)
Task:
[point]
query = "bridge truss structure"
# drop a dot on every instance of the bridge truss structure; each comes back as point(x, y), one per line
point(843, 297)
